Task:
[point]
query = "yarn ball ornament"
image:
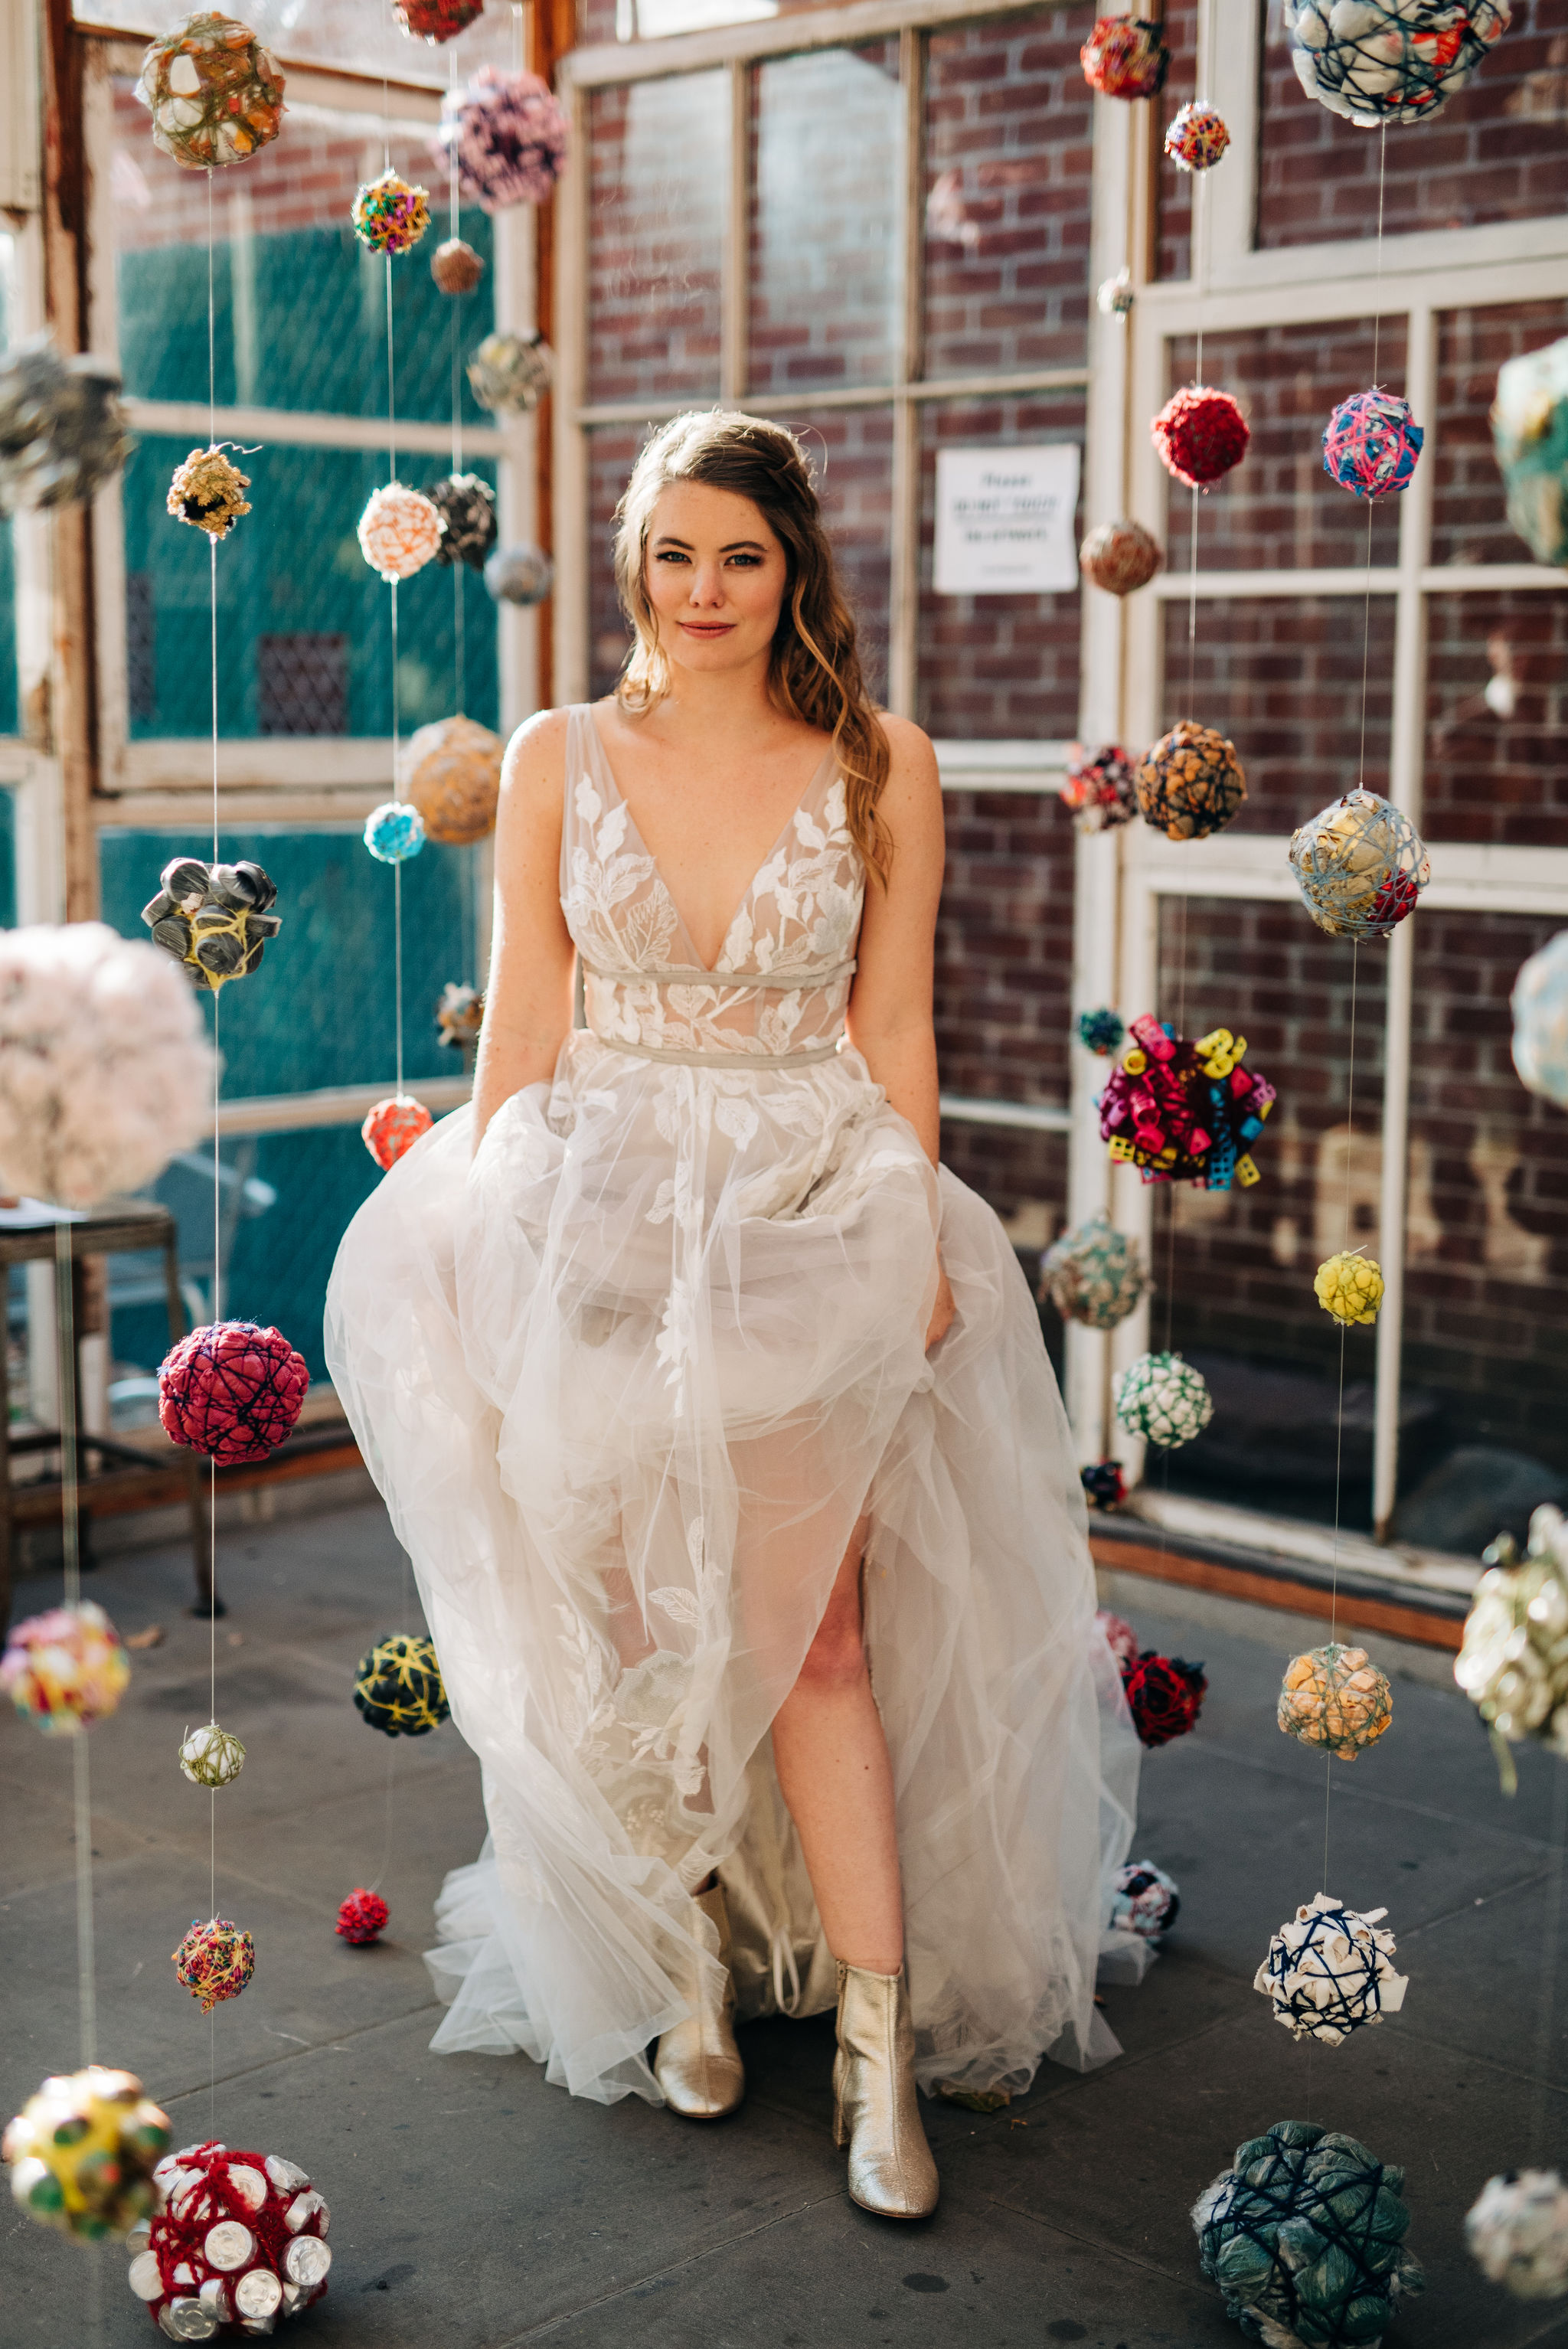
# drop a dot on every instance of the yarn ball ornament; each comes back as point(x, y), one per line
point(459, 1015)
point(82, 2150)
point(435, 20)
point(1377, 61)
point(1145, 1900)
point(1304, 2236)
point(1513, 1663)
point(509, 374)
point(1164, 1400)
point(467, 506)
point(1336, 1698)
point(519, 574)
point(1185, 1112)
point(1164, 1695)
point(233, 1389)
point(1370, 444)
point(1350, 1287)
point(394, 832)
point(1196, 138)
point(1529, 438)
point(215, 919)
point(393, 1126)
point(456, 267)
point(1100, 1032)
point(214, 1961)
point(390, 214)
point(213, 92)
point(1120, 1636)
point(398, 532)
point(239, 2242)
point(1120, 556)
point(62, 428)
point(1116, 296)
point(1200, 434)
point(361, 1918)
point(1517, 2230)
point(1125, 57)
point(64, 1669)
point(452, 777)
point(1539, 1008)
point(1360, 865)
point(398, 1689)
point(1101, 787)
point(1330, 1972)
point(1093, 1275)
point(105, 1067)
point(209, 492)
point(211, 1756)
point(1191, 783)
point(508, 136)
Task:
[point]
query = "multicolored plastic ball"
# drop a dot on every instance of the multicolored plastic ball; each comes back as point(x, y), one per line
point(1100, 1032)
point(1540, 1008)
point(1162, 1399)
point(361, 1918)
point(215, 1961)
point(1101, 787)
point(393, 1126)
point(1124, 56)
point(1335, 1697)
point(1370, 444)
point(82, 2152)
point(398, 1689)
point(1200, 434)
point(1120, 557)
point(213, 92)
point(1191, 784)
point(1530, 438)
point(390, 214)
point(66, 1669)
point(1376, 61)
point(1197, 138)
point(1517, 2230)
point(1350, 1287)
point(1360, 865)
point(1182, 1111)
point(398, 532)
point(394, 832)
point(509, 134)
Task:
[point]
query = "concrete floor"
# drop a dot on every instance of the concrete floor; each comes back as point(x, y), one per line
point(515, 2214)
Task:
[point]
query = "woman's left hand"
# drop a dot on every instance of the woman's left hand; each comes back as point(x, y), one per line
point(942, 1311)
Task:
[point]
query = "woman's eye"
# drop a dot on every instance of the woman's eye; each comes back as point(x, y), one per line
point(747, 562)
point(669, 554)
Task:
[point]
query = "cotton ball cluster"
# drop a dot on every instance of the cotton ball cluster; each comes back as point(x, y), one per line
point(105, 1068)
point(1513, 1663)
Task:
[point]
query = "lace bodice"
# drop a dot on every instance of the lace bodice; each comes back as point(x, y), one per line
point(779, 989)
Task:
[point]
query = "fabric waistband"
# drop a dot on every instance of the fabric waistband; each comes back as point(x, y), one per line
point(755, 1063)
point(676, 975)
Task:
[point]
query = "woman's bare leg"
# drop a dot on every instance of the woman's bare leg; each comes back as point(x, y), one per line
point(833, 1769)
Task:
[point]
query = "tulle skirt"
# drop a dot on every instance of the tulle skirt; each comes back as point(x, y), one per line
point(629, 1377)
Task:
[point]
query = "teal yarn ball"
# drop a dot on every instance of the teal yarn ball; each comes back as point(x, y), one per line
point(394, 832)
point(1540, 1008)
point(1529, 436)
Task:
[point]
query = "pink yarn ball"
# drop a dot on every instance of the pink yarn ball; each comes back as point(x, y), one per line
point(508, 136)
point(361, 1918)
point(232, 1390)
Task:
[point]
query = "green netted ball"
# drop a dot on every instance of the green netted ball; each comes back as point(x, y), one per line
point(1162, 1399)
point(1305, 2237)
point(397, 1686)
point(1093, 1275)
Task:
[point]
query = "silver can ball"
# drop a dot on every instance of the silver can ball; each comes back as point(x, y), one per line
point(229, 2245)
point(187, 2320)
point(247, 2184)
point(287, 2176)
point(301, 2209)
point(214, 2294)
point(144, 2279)
point(306, 2261)
point(292, 2296)
point(137, 2237)
point(259, 2293)
point(258, 2323)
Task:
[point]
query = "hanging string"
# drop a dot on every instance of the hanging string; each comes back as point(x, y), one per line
point(70, 1545)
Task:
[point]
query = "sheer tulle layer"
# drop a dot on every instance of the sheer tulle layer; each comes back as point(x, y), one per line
point(628, 1379)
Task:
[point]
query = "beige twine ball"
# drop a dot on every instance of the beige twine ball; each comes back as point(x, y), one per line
point(452, 775)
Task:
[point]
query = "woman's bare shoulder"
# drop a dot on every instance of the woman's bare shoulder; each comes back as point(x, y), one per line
point(913, 775)
point(533, 774)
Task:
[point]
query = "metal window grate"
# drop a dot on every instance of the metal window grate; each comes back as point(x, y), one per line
point(302, 684)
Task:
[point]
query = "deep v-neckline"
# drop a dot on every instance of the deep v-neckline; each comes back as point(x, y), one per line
point(713, 970)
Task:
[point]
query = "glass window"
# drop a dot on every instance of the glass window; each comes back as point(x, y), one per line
point(1174, 189)
point(1497, 720)
point(9, 714)
point(655, 237)
point(1007, 156)
point(828, 168)
point(340, 33)
point(304, 641)
point(851, 454)
point(1468, 523)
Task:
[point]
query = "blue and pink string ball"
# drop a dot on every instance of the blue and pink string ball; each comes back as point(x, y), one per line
point(1370, 444)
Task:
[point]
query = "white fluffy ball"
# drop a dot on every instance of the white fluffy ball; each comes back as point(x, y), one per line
point(1517, 2230)
point(105, 1067)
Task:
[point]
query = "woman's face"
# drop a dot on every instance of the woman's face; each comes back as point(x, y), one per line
point(715, 574)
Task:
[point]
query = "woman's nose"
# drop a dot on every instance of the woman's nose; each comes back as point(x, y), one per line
point(708, 585)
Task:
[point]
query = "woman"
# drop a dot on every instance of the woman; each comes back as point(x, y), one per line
point(714, 1414)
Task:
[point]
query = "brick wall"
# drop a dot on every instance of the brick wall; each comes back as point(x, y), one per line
point(1469, 523)
point(1498, 774)
point(1174, 189)
point(656, 229)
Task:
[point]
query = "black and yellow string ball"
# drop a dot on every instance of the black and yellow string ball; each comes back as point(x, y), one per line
point(397, 1686)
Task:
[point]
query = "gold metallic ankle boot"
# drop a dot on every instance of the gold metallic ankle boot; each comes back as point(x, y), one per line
point(697, 2064)
point(876, 2110)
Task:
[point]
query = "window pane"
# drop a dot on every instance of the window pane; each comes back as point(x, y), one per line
point(1280, 677)
point(1468, 520)
point(1497, 768)
point(612, 453)
point(828, 191)
point(1174, 189)
point(342, 33)
point(655, 236)
point(300, 305)
point(1496, 153)
point(1004, 952)
point(1008, 151)
point(305, 626)
point(1278, 510)
point(1234, 1269)
point(996, 667)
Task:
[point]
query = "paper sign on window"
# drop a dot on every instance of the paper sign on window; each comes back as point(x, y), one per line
point(1005, 520)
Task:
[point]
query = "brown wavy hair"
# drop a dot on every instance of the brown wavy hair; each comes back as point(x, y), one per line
point(815, 672)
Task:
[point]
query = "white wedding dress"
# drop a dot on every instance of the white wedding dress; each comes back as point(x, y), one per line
point(627, 1379)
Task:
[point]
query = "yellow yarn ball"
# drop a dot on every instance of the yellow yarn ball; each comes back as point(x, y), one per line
point(1350, 1288)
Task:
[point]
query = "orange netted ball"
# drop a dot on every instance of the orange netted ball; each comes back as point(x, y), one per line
point(393, 1126)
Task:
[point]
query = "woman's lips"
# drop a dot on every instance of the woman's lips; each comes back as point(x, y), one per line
point(708, 627)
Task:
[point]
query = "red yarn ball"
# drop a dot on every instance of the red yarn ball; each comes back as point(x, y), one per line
point(1200, 433)
point(1125, 57)
point(242, 2235)
point(362, 1916)
point(435, 20)
point(233, 1389)
point(1164, 1695)
point(393, 1126)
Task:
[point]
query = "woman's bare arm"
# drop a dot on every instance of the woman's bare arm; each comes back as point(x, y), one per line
point(528, 999)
